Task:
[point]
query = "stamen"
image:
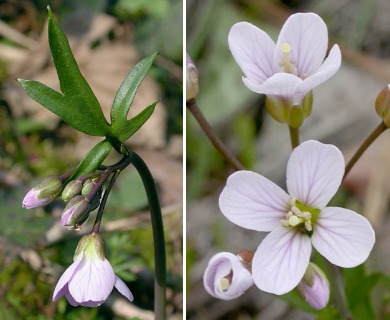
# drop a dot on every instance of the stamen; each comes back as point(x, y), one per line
point(294, 221)
point(296, 211)
point(292, 202)
point(306, 215)
point(284, 223)
point(225, 284)
point(286, 49)
point(289, 214)
point(308, 225)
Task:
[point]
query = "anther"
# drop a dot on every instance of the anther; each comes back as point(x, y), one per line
point(225, 284)
point(294, 221)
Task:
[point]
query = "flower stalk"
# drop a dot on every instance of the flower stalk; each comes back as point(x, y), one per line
point(294, 137)
point(364, 146)
point(218, 144)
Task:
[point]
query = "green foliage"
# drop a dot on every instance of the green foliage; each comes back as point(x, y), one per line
point(358, 287)
point(77, 105)
point(126, 93)
point(92, 160)
point(245, 130)
point(135, 8)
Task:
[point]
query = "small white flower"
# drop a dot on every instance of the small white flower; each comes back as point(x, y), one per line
point(291, 68)
point(226, 277)
point(90, 278)
point(298, 219)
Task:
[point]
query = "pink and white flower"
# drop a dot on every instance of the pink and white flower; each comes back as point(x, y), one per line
point(226, 276)
point(90, 278)
point(297, 219)
point(293, 66)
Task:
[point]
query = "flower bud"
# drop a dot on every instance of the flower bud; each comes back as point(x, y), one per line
point(382, 105)
point(75, 213)
point(192, 87)
point(314, 287)
point(226, 276)
point(88, 186)
point(71, 190)
point(44, 193)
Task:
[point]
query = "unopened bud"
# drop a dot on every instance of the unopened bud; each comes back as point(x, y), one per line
point(382, 105)
point(192, 87)
point(75, 213)
point(314, 287)
point(88, 186)
point(71, 190)
point(44, 193)
point(226, 277)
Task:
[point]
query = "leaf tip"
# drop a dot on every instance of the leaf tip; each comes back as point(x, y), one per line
point(49, 12)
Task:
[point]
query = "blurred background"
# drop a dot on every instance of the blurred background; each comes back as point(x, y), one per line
point(108, 37)
point(343, 114)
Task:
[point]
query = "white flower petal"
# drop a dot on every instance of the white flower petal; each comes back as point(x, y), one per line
point(330, 66)
point(253, 51)
point(123, 289)
point(253, 202)
point(220, 266)
point(343, 237)
point(280, 84)
point(314, 173)
point(307, 35)
point(61, 286)
point(92, 281)
point(281, 260)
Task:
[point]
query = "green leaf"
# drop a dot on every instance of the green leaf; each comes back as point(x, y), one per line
point(126, 92)
point(77, 105)
point(132, 125)
point(60, 105)
point(358, 286)
point(92, 160)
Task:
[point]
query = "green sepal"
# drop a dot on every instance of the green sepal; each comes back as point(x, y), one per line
point(126, 93)
point(77, 105)
point(92, 160)
point(132, 125)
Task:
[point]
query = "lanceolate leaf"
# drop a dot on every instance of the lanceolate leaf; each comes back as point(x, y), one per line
point(60, 105)
point(77, 105)
point(126, 92)
point(132, 125)
point(92, 160)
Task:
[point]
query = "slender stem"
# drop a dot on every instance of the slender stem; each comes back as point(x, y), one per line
point(96, 225)
point(370, 139)
point(337, 284)
point(294, 135)
point(158, 236)
point(218, 144)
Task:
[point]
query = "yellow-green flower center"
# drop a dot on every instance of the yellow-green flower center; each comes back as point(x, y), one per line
point(300, 216)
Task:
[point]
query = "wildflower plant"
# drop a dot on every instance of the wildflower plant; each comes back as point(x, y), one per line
point(90, 279)
point(308, 239)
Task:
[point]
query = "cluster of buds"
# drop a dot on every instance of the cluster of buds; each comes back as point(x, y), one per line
point(81, 196)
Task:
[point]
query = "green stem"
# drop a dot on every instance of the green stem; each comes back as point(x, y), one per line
point(370, 139)
point(337, 284)
point(96, 225)
point(218, 144)
point(294, 135)
point(158, 236)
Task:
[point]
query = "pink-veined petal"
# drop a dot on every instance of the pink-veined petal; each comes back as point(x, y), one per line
point(343, 237)
point(92, 281)
point(253, 51)
point(123, 289)
point(253, 202)
point(222, 265)
point(307, 35)
point(314, 173)
point(280, 84)
point(330, 66)
point(281, 260)
point(60, 289)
